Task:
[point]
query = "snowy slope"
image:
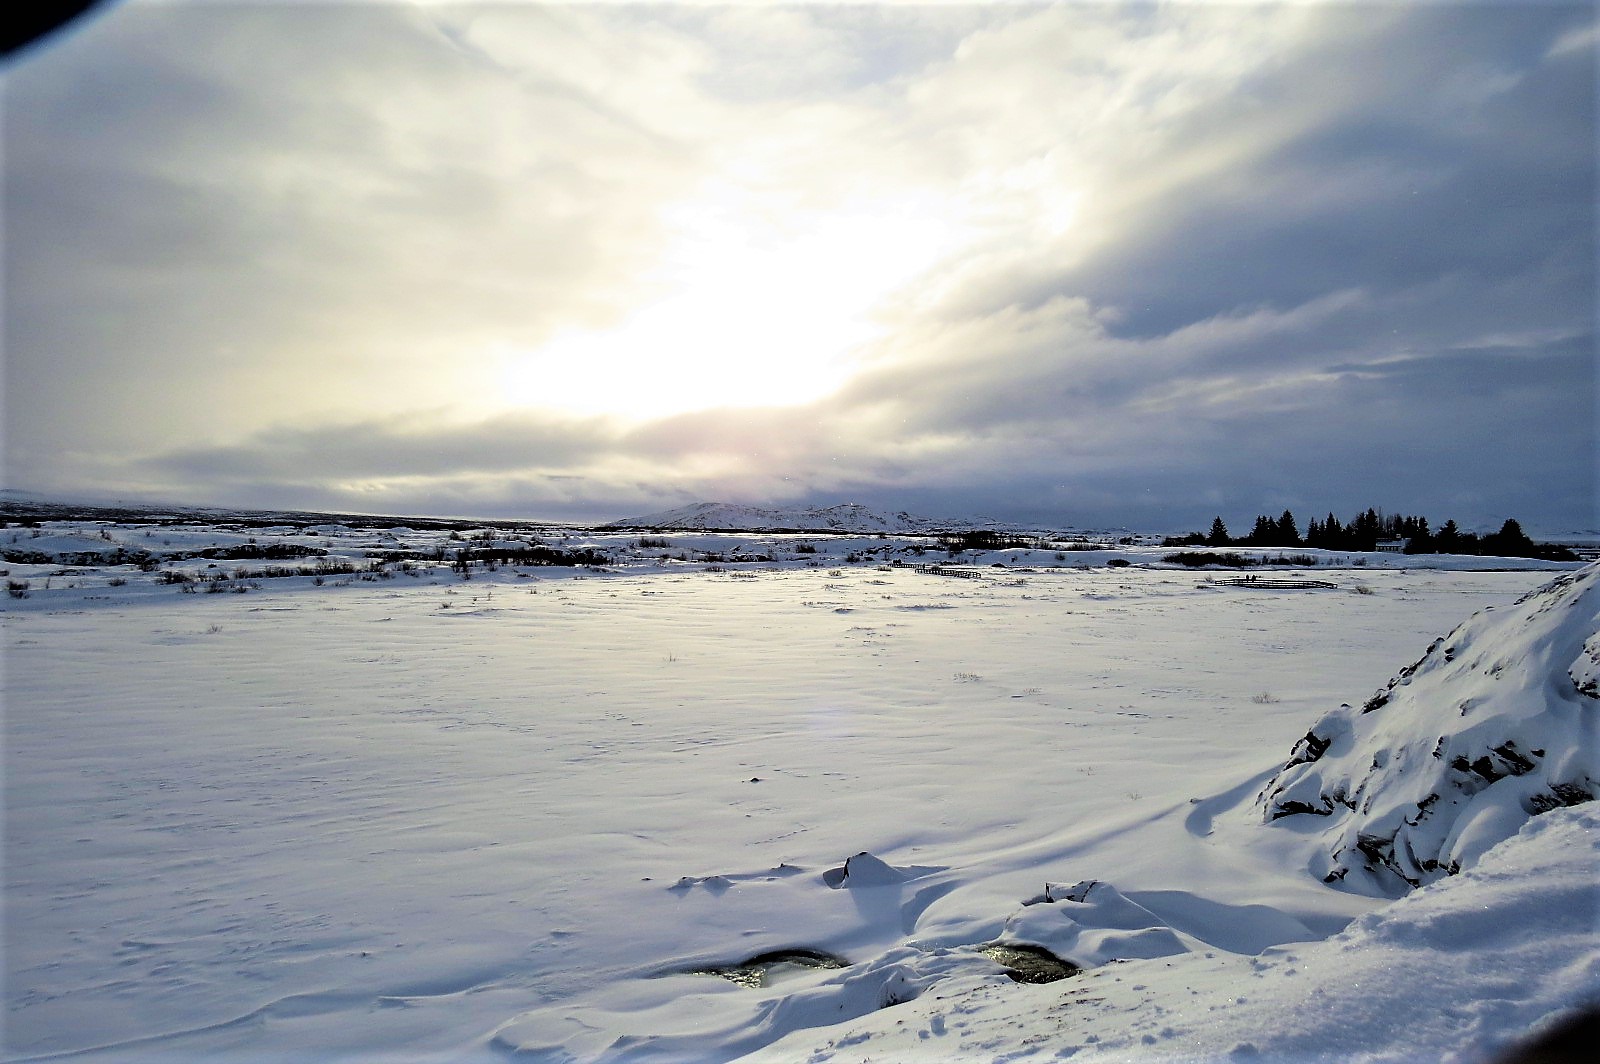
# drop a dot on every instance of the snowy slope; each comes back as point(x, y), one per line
point(1499, 721)
point(1462, 970)
point(845, 517)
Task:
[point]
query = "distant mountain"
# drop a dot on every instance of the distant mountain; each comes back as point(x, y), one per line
point(845, 517)
point(18, 505)
point(1496, 723)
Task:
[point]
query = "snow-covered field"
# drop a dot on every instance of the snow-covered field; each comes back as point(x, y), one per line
point(427, 818)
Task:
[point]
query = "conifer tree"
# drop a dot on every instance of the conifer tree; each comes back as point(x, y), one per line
point(1287, 534)
point(1364, 531)
point(1509, 542)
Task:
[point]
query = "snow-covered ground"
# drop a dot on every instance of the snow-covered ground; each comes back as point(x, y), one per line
point(424, 818)
point(61, 556)
point(1463, 971)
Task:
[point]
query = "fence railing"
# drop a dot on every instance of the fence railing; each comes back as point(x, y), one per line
point(1270, 584)
point(946, 570)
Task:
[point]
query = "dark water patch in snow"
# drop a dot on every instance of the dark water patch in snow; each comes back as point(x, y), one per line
point(759, 970)
point(1026, 963)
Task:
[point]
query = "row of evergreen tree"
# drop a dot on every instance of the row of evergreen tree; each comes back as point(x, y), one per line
point(1366, 530)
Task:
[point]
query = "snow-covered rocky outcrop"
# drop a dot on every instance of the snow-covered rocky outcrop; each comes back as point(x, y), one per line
point(845, 517)
point(1499, 721)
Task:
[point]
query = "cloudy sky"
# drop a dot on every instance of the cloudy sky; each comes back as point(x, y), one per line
point(1086, 263)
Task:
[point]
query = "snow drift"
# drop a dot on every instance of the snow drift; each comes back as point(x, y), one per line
point(1460, 971)
point(1496, 723)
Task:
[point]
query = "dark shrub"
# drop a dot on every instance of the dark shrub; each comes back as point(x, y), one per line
point(1195, 559)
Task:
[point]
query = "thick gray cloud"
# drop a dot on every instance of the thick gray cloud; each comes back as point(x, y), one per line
point(296, 210)
point(1087, 263)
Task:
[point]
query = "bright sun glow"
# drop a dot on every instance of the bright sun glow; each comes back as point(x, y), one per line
point(761, 309)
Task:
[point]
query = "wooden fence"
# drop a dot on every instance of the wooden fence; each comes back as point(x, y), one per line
point(1277, 585)
point(946, 570)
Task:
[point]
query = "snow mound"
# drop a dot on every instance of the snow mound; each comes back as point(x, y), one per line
point(845, 517)
point(869, 870)
point(1459, 971)
point(1496, 723)
point(1093, 923)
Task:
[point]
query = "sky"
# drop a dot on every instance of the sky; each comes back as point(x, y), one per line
point(1086, 264)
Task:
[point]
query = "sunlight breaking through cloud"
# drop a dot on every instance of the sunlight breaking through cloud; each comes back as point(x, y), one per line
point(1032, 260)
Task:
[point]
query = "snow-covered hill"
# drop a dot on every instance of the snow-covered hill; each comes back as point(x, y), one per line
point(1499, 721)
point(845, 517)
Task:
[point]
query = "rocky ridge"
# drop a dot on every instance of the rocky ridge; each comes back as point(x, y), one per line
point(1498, 722)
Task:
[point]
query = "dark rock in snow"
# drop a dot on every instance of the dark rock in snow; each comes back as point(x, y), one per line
point(867, 870)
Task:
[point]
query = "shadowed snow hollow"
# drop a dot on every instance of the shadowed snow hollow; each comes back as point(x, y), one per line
point(1498, 722)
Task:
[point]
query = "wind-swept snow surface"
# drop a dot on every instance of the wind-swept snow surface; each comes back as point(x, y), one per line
point(1461, 971)
point(1429, 778)
point(670, 814)
point(1498, 721)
